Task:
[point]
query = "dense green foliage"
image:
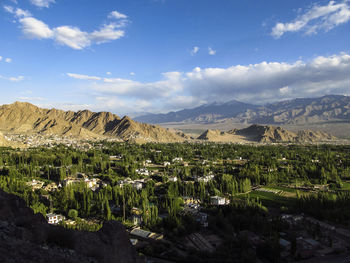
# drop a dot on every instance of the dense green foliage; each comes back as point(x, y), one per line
point(290, 172)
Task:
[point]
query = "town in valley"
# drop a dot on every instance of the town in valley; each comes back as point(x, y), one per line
point(181, 202)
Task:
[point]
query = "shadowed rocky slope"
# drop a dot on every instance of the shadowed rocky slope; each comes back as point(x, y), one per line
point(25, 237)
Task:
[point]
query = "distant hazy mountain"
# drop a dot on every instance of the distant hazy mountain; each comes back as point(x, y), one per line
point(296, 111)
point(205, 113)
point(300, 111)
point(25, 118)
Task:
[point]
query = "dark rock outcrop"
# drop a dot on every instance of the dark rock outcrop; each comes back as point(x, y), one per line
point(26, 237)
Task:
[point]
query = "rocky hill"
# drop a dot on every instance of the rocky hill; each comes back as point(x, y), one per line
point(221, 136)
point(265, 134)
point(25, 118)
point(297, 111)
point(25, 237)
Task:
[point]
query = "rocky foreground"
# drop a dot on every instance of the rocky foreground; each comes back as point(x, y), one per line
point(25, 237)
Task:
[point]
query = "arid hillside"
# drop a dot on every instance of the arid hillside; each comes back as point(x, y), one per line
point(265, 134)
point(25, 118)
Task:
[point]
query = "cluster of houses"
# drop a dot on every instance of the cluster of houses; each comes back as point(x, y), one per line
point(205, 179)
point(48, 140)
point(92, 183)
point(137, 184)
point(142, 171)
point(37, 184)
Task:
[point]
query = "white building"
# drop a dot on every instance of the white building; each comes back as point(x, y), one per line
point(35, 184)
point(217, 200)
point(177, 159)
point(205, 179)
point(142, 171)
point(137, 185)
point(173, 179)
point(54, 218)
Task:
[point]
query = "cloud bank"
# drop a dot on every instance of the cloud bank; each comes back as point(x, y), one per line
point(255, 83)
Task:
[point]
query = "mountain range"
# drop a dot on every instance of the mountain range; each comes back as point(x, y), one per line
point(296, 111)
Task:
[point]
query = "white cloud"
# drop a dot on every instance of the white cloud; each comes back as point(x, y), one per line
point(16, 79)
point(184, 101)
point(84, 77)
point(12, 79)
point(74, 38)
point(170, 84)
point(17, 12)
point(22, 13)
point(132, 74)
point(106, 33)
point(31, 99)
point(108, 73)
point(70, 36)
point(211, 51)
point(8, 60)
point(317, 18)
point(34, 28)
point(42, 3)
point(284, 90)
point(0, 58)
point(194, 50)
point(117, 15)
point(9, 9)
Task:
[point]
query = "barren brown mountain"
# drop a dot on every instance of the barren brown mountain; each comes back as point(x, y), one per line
point(265, 134)
point(25, 118)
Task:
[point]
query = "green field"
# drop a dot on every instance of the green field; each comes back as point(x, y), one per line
point(284, 189)
point(269, 199)
point(346, 186)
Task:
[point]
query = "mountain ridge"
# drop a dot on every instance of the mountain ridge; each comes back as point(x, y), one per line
point(26, 118)
point(203, 113)
point(295, 111)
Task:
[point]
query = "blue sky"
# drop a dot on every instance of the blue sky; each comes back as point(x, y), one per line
point(135, 56)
